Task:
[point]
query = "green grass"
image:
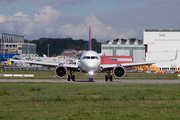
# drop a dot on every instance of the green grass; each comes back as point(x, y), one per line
point(50, 75)
point(52, 101)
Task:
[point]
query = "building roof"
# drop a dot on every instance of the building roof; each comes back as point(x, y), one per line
point(118, 41)
point(161, 30)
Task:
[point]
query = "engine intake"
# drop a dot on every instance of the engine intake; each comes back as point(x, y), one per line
point(119, 72)
point(61, 71)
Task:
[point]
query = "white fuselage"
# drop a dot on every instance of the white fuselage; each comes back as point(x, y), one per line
point(90, 61)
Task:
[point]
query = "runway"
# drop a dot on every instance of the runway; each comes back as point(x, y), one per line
point(100, 81)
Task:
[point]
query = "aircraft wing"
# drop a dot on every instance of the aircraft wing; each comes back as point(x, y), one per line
point(111, 66)
point(53, 64)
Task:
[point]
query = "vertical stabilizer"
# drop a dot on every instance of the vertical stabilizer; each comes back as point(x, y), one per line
point(89, 37)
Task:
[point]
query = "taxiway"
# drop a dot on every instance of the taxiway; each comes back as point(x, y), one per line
point(99, 81)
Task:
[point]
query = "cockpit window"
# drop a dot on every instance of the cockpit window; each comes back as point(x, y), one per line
point(94, 57)
point(90, 57)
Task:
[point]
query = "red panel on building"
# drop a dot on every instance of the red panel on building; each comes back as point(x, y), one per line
point(66, 54)
point(116, 59)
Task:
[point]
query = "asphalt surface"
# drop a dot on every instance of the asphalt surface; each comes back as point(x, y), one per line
point(122, 81)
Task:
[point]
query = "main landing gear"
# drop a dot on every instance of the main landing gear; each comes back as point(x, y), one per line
point(108, 77)
point(71, 76)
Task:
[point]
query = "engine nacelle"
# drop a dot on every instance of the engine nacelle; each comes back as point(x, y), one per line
point(61, 71)
point(119, 72)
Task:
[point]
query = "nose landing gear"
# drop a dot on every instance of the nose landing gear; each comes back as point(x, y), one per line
point(90, 75)
point(90, 79)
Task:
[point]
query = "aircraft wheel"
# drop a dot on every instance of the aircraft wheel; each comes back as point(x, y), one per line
point(111, 78)
point(69, 78)
point(90, 79)
point(73, 78)
point(106, 78)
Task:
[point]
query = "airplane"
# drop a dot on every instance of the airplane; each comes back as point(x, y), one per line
point(90, 62)
point(44, 55)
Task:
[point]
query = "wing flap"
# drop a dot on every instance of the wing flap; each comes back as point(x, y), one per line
point(36, 62)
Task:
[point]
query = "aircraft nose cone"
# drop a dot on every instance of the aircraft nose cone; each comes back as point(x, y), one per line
point(92, 64)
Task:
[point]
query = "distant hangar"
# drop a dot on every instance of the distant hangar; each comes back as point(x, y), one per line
point(157, 44)
point(124, 47)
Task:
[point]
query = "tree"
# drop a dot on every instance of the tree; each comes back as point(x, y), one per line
point(54, 55)
point(58, 45)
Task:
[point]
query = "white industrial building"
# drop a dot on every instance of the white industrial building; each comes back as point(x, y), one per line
point(124, 47)
point(162, 45)
point(14, 44)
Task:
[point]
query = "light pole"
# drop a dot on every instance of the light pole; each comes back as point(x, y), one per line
point(28, 49)
point(48, 49)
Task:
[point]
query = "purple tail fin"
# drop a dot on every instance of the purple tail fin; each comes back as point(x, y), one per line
point(89, 37)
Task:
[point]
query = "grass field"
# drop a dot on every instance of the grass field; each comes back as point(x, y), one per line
point(61, 101)
point(50, 75)
point(52, 101)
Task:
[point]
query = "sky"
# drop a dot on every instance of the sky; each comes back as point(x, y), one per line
point(109, 19)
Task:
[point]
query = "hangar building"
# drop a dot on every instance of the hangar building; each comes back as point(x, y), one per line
point(124, 47)
point(162, 45)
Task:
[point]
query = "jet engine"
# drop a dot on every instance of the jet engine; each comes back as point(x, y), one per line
point(119, 71)
point(61, 71)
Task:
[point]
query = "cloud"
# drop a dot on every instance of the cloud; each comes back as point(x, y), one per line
point(130, 33)
point(20, 14)
point(99, 30)
point(46, 15)
point(24, 24)
point(48, 21)
point(44, 19)
point(2, 19)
